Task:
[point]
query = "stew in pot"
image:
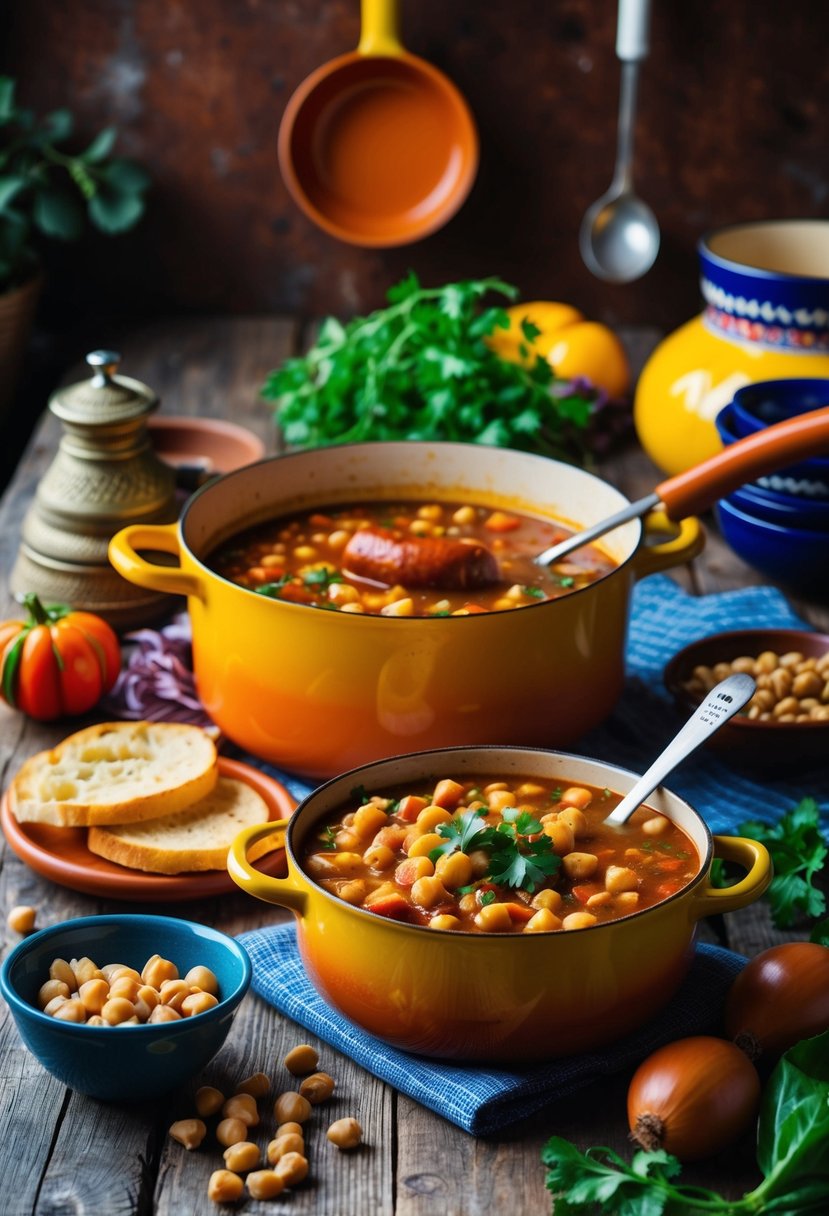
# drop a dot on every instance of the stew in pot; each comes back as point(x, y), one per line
point(407, 559)
point(491, 856)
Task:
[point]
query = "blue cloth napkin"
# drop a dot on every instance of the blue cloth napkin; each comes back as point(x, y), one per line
point(482, 1099)
point(664, 618)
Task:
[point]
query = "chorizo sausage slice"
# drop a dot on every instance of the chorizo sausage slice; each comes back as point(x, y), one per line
point(443, 562)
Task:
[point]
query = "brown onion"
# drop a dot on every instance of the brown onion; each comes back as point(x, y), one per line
point(779, 998)
point(692, 1097)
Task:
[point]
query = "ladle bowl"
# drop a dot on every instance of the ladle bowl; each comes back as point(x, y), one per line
point(377, 146)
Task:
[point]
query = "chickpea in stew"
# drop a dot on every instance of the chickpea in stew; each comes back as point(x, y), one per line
point(491, 856)
point(407, 559)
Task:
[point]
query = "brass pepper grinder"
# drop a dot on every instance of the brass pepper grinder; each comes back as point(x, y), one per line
point(105, 475)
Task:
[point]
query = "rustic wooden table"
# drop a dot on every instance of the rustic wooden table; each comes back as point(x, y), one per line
point(62, 1152)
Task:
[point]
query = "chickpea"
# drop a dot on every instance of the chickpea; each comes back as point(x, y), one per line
point(93, 995)
point(50, 990)
point(85, 970)
point(578, 866)
point(292, 1168)
point(544, 921)
point(265, 1184)
point(345, 1133)
point(163, 1013)
point(289, 1128)
point(454, 870)
point(189, 1132)
point(546, 898)
point(241, 1106)
point(498, 800)
point(197, 1002)
point(657, 825)
point(317, 1088)
point(22, 919)
point(578, 920)
point(52, 1006)
point(243, 1156)
point(620, 878)
point(119, 971)
point(430, 817)
point(369, 819)
point(125, 987)
point(157, 969)
point(494, 918)
point(231, 1131)
point(421, 846)
point(575, 819)
point(561, 834)
point(292, 1107)
point(429, 891)
point(378, 857)
point(202, 977)
point(173, 992)
point(576, 796)
point(209, 1100)
point(225, 1187)
point(117, 1010)
point(70, 1011)
point(60, 970)
point(257, 1085)
point(280, 1146)
point(301, 1059)
point(445, 922)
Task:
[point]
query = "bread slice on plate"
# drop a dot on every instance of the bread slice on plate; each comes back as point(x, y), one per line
point(195, 839)
point(116, 772)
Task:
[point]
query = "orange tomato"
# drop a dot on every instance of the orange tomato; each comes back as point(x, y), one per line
point(572, 345)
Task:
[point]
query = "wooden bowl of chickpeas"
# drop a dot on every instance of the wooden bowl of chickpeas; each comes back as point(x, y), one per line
point(121, 1007)
point(785, 726)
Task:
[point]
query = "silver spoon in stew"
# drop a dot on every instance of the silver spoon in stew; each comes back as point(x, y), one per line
point(723, 701)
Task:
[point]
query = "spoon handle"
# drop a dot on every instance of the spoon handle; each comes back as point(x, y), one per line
point(721, 703)
point(633, 29)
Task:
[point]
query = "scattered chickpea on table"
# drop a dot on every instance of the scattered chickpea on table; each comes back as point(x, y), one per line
point(287, 1160)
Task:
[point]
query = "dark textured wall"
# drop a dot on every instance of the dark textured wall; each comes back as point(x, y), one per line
point(732, 126)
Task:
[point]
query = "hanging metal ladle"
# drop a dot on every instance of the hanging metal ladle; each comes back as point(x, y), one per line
point(619, 235)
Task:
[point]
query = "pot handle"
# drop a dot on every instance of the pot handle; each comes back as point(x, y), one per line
point(135, 569)
point(753, 857)
point(380, 28)
point(686, 541)
point(698, 488)
point(281, 891)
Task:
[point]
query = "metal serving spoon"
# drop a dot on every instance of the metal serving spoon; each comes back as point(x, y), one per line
point(619, 235)
point(721, 703)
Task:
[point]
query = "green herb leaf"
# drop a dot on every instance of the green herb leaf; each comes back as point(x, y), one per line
point(798, 852)
point(360, 795)
point(463, 832)
point(421, 368)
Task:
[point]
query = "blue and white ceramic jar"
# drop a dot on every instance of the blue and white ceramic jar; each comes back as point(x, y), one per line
point(766, 317)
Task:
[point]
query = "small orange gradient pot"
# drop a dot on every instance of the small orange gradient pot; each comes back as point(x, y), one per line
point(321, 692)
point(378, 147)
point(513, 997)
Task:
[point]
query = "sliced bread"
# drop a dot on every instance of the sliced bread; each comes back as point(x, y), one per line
point(195, 839)
point(116, 772)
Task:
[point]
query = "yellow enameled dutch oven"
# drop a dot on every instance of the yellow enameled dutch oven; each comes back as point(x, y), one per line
point(321, 692)
point(511, 997)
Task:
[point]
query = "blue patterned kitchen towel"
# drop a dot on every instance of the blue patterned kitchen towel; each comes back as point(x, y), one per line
point(483, 1099)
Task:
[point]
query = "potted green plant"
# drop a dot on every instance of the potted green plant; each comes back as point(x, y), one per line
point(47, 191)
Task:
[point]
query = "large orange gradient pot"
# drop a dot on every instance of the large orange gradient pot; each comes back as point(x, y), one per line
point(320, 692)
point(511, 997)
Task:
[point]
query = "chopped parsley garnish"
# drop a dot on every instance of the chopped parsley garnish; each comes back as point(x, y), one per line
point(321, 578)
point(535, 592)
point(328, 838)
point(566, 580)
point(487, 897)
point(274, 590)
point(360, 795)
point(514, 859)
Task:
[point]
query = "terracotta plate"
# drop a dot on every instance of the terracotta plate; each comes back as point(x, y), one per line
point(61, 853)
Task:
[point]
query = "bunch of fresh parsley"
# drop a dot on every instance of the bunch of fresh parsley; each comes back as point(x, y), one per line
point(515, 859)
point(798, 852)
point(422, 369)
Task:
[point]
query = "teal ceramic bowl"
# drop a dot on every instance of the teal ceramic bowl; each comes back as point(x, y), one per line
point(125, 1063)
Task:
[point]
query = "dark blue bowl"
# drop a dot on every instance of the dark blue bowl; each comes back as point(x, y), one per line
point(807, 480)
point(767, 402)
point(782, 509)
point(795, 557)
point(125, 1063)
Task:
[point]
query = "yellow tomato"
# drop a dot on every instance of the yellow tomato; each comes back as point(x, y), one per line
point(572, 345)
